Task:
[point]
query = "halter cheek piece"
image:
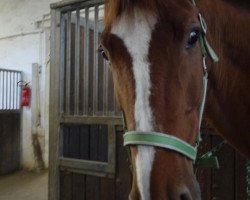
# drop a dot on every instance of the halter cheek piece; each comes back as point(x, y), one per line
point(171, 142)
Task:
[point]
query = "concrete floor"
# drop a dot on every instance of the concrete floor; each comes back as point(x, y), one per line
point(24, 186)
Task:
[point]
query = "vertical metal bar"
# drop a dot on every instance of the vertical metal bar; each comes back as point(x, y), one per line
point(9, 95)
point(6, 97)
point(1, 96)
point(86, 61)
point(11, 92)
point(2, 90)
point(14, 90)
point(77, 61)
point(96, 64)
point(17, 93)
point(68, 61)
point(17, 88)
point(105, 88)
point(62, 65)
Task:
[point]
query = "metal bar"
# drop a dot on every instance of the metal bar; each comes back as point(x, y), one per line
point(68, 61)
point(18, 98)
point(88, 172)
point(86, 164)
point(14, 89)
point(86, 62)
point(11, 92)
point(9, 70)
point(105, 88)
point(1, 91)
point(91, 120)
point(6, 97)
point(62, 64)
point(17, 93)
point(9, 111)
point(70, 4)
point(77, 61)
point(95, 71)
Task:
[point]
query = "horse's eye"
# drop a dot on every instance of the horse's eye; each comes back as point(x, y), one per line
point(193, 37)
point(104, 55)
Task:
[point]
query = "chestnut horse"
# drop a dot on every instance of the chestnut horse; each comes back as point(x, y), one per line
point(157, 67)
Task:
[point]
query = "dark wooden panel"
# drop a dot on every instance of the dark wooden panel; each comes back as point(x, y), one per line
point(9, 142)
point(103, 143)
point(240, 177)
point(75, 186)
point(65, 186)
point(223, 178)
point(94, 137)
point(123, 175)
point(74, 142)
point(65, 142)
point(88, 142)
point(78, 186)
point(84, 142)
point(204, 175)
point(107, 189)
point(228, 182)
point(92, 188)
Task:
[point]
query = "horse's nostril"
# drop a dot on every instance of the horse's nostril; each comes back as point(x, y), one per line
point(185, 197)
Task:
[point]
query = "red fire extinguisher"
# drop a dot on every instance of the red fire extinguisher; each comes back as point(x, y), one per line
point(26, 92)
point(25, 95)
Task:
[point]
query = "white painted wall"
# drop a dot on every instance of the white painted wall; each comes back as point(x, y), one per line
point(24, 39)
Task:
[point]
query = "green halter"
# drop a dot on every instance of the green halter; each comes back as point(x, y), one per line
point(170, 142)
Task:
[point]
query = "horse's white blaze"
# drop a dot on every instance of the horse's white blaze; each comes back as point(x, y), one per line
point(136, 34)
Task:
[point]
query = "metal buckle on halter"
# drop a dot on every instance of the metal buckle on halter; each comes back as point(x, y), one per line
point(204, 64)
point(203, 23)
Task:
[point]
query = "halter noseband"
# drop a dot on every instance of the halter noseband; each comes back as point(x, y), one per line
point(171, 142)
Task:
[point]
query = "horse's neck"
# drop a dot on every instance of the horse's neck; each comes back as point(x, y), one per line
point(228, 31)
point(228, 103)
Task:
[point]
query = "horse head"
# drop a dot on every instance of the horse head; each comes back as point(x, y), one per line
point(156, 64)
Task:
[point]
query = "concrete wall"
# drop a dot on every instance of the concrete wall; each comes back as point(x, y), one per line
point(24, 39)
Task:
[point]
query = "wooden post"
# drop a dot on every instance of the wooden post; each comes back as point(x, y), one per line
point(37, 137)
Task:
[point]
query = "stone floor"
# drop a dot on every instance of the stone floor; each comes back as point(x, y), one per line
point(24, 186)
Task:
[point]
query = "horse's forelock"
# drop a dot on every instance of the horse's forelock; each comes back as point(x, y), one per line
point(114, 8)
